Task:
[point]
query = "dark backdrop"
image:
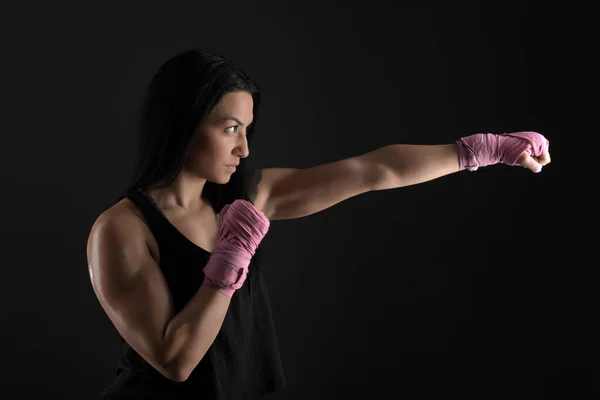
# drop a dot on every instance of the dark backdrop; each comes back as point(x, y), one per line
point(457, 288)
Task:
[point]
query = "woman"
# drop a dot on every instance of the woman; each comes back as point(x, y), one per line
point(175, 262)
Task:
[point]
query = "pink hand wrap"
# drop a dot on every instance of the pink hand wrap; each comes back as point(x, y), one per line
point(242, 228)
point(484, 149)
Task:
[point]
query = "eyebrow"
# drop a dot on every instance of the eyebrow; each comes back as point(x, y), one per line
point(228, 117)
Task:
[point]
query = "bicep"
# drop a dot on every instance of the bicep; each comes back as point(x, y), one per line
point(130, 288)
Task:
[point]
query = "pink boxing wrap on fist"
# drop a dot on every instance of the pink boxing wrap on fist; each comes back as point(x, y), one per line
point(484, 149)
point(242, 228)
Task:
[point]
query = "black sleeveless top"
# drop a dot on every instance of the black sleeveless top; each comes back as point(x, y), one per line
point(243, 361)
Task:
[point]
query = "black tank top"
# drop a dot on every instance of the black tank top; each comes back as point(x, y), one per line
point(244, 359)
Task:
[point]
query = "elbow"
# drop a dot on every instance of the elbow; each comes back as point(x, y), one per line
point(382, 179)
point(377, 175)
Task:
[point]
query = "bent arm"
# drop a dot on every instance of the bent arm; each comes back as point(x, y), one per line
point(135, 296)
point(193, 330)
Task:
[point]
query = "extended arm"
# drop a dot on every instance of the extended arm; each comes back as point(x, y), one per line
point(285, 193)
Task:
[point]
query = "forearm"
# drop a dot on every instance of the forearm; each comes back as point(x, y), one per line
point(192, 331)
point(408, 164)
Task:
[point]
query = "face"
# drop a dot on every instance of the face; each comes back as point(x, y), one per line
point(221, 138)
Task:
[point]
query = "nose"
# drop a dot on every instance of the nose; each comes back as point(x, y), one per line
point(242, 150)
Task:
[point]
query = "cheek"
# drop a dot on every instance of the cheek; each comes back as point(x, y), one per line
point(207, 156)
point(210, 149)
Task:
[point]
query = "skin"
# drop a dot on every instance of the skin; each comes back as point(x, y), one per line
point(124, 258)
point(217, 142)
point(128, 280)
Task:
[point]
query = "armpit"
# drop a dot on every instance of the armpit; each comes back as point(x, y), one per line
point(252, 184)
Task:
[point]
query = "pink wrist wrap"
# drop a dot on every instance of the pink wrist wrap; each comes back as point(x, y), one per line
point(242, 228)
point(484, 149)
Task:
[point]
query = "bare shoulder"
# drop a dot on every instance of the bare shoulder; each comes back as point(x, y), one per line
point(122, 215)
point(124, 220)
point(129, 284)
point(125, 210)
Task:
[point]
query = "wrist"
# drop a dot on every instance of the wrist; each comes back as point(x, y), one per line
point(478, 150)
point(227, 291)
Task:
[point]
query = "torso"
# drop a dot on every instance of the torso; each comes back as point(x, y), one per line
point(201, 227)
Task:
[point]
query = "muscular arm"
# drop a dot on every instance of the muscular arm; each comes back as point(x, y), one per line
point(408, 164)
point(135, 296)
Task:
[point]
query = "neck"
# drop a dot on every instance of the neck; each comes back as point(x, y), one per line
point(185, 194)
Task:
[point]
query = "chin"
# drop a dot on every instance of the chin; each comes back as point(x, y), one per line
point(226, 179)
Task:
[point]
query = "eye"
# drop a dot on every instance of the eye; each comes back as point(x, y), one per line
point(231, 127)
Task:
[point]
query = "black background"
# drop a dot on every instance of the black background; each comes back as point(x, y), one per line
point(458, 288)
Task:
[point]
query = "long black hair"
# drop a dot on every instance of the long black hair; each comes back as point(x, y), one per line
point(179, 96)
